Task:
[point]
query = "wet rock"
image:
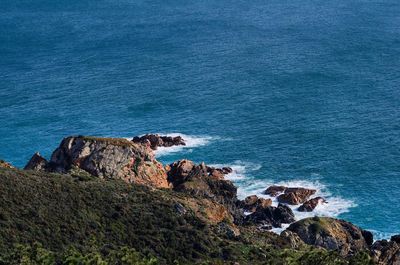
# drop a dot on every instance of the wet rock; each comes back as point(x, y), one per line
point(274, 190)
point(385, 252)
point(332, 234)
point(251, 203)
point(295, 195)
point(112, 158)
point(156, 140)
point(37, 162)
point(310, 205)
point(273, 216)
point(395, 238)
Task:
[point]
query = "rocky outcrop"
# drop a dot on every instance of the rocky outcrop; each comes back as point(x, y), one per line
point(311, 204)
point(5, 164)
point(386, 252)
point(292, 238)
point(296, 195)
point(251, 203)
point(274, 190)
point(199, 180)
point(271, 216)
point(109, 158)
point(155, 140)
point(332, 234)
point(37, 162)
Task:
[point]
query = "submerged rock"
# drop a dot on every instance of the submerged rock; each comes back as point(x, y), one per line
point(311, 204)
point(109, 158)
point(156, 140)
point(332, 234)
point(37, 162)
point(296, 195)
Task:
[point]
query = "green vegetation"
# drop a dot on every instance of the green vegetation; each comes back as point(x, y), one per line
point(63, 219)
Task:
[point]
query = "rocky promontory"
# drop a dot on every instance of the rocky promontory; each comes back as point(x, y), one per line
point(106, 194)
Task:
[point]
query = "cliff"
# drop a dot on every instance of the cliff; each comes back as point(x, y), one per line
point(90, 204)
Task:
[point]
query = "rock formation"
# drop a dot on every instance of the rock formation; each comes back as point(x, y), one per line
point(274, 190)
point(251, 203)
point(37, 162)
point(5, 164)
point(295, 195)
point(109, 158)
point(386, 252)
point(310, 205)
point(156, 140)
point(332, 234)
point(271, 216)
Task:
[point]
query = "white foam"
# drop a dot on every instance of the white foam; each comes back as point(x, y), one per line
point(239, 169)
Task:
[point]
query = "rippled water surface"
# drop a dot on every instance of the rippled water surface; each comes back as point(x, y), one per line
point(296, 92)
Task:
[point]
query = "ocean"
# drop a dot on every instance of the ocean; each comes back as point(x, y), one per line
point(300, 93)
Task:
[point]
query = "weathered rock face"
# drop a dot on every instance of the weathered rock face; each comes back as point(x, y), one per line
point(274, 190)
point(5, 164)
point(37, 162)
point(293, 239)
point(295, 195)
point(156, 140)
point(198, 180)
point(310, 205)
point(332, 234)
point(271, 216)
point(251, 203)
point(385, 252)
point(109, 158)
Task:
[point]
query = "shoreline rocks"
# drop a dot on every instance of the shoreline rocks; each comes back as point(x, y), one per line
point(155, 140)
point(271, 216)
point(311, 204)
point(296, 196)
point(37, 162)
point(333, 234)
point(5, 164)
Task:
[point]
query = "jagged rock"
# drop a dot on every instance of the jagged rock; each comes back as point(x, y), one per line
point(395, 238)
point(274, 190)
point(273, 216)
point(37, 162)
point(292, 238)
point(5, 164)
point(196, 180)
point(156, 140)
point(385, 252)
point(251, 203)
point(310, 205)
point(109, 158)
point(296, 195)
point(332, 234)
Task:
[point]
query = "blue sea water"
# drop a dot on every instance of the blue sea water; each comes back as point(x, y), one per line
point(292, 92)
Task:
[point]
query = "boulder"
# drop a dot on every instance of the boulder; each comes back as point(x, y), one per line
point(5, 164)
point(271, 216)
point(155, 140)
point(251, 203)
point(395, 238)
point(333, 234)
point(385, 252)
point(296, 195)
point(37, 162)
point(274, 190)
point(112, 158)
point(293, 239)
point(310, 205)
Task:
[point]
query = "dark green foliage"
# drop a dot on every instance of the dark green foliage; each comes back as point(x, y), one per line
point(51, 218)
